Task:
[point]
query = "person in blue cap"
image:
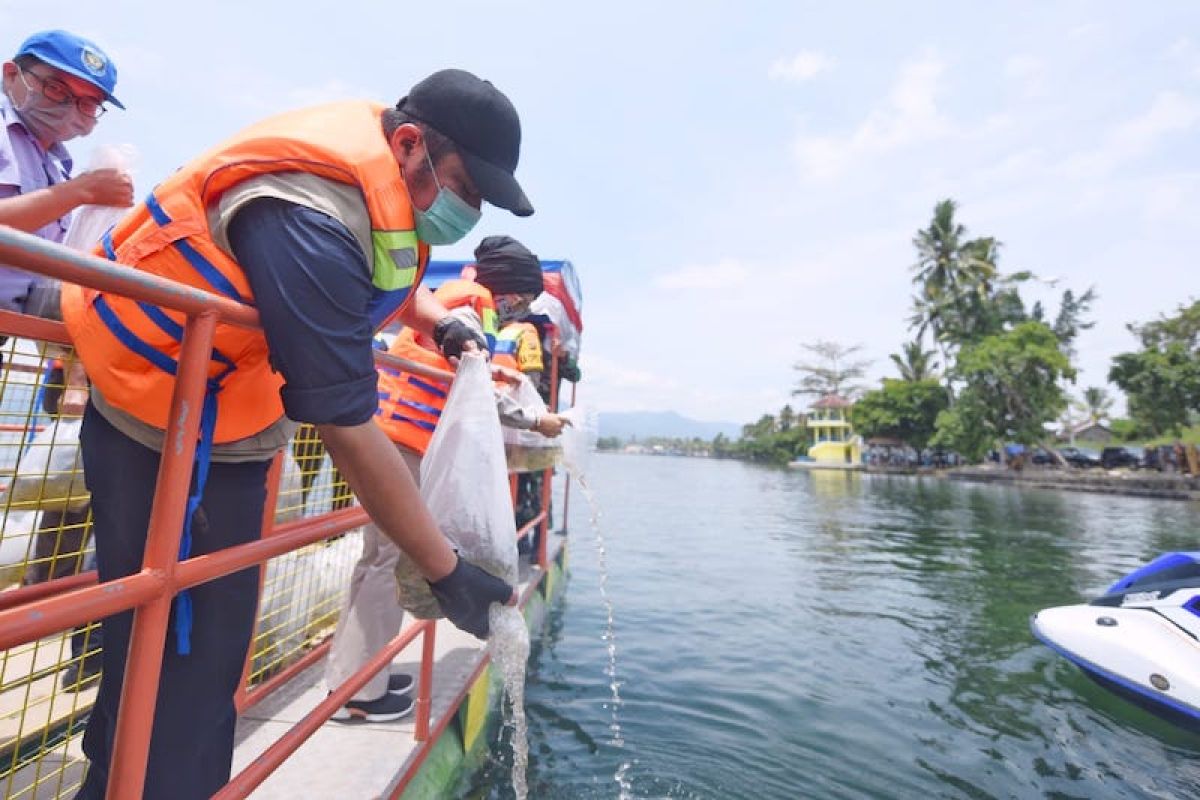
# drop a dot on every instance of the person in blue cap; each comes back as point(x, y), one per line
point(56, 88)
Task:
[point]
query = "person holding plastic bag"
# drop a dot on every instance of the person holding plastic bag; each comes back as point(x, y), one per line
point(410, 407)
point(321, 219)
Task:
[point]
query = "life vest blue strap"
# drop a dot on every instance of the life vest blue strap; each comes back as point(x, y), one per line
point(183, 601)
point(208, 415)
point(156, 315)
point(424, 409)
point(208, 424)
point(425, 426)
point(505, 347)
point(437, 390)
point(132, 340)
point(216, 279)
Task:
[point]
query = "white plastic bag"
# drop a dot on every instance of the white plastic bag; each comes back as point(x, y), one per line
point(89, 223)
point(529, 451)
point(49, 474)
point(464, 483)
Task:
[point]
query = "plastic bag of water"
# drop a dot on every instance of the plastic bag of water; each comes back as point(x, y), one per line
point(464, 483)
point(89, 223)
point(529, 451)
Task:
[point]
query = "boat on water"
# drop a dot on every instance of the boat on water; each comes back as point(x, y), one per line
point(1140, 639)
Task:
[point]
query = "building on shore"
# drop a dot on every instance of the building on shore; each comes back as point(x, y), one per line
point(1088, 431)
point(832, 437)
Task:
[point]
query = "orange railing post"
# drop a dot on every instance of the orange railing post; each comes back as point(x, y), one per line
point(425, 692)
point(139, 695)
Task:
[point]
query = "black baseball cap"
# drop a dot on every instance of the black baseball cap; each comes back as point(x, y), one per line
point(484, 127)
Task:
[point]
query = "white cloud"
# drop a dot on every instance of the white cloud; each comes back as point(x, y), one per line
point(1171, 112)
point(803, 66)
point(722, 275)
point(908, 116)
point(1027, 71)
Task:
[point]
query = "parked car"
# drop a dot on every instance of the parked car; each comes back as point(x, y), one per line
point(1114, 457)
point(1078, 457)
point(1042, 457)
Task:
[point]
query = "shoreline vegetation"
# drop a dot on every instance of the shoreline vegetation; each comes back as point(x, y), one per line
point(985, 389)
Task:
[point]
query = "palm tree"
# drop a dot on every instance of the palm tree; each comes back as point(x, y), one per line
point(1095, 403)
point(953, 275)
point(915, 363)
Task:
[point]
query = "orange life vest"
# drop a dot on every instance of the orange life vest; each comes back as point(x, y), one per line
point(508, 344)
point(130, 349)
point(410, 405)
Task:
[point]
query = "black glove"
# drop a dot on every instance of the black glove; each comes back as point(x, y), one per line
point(450, 334)
point(466, 594)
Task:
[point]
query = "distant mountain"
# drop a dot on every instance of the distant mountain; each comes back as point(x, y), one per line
point(628, 425)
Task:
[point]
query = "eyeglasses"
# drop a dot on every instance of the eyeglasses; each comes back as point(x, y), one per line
point(56, 91)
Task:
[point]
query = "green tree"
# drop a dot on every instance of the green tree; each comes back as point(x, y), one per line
point(832, 369)
point(1162, 380)
point(1011, 390)
point(904, 410)
point(787, 418)
point(1070, 320)
point(1162, 387)
point(765, 426)
point(914, 362)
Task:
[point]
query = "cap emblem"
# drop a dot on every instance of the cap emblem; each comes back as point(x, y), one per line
point(93, 62)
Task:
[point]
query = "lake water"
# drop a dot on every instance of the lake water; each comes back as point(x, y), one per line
point(822, 635)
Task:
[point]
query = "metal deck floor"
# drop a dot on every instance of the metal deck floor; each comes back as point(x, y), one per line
point(354, 760)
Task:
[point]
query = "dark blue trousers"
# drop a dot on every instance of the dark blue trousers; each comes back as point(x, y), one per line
point(192, 741)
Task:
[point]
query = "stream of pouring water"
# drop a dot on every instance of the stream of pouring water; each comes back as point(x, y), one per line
point(610, 637)
point(508, 646)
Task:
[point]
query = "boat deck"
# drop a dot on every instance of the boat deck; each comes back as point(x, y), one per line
point(359, 760)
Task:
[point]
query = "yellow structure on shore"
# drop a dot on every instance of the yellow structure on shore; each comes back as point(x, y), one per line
point(833, 440)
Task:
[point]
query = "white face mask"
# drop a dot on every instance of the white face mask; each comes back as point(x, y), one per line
point(48, 121)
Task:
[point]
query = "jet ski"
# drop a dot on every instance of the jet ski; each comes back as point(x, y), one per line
point(1140, 639)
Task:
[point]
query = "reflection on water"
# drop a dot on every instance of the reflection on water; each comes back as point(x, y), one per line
point(839, 635)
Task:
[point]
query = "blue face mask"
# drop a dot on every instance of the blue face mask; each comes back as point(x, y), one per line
point(448, 219)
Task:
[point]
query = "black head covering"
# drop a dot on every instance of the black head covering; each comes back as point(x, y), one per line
point(505, 266)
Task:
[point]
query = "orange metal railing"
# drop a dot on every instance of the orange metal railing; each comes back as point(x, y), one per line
point(32, 612)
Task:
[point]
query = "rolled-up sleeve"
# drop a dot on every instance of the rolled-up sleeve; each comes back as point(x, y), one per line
point(312, 287)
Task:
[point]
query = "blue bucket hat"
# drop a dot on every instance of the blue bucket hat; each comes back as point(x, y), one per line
point(75, 55)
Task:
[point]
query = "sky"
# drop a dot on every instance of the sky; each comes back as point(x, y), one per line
point(735, 179)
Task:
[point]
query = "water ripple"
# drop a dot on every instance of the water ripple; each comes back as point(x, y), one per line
point(795, 635)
